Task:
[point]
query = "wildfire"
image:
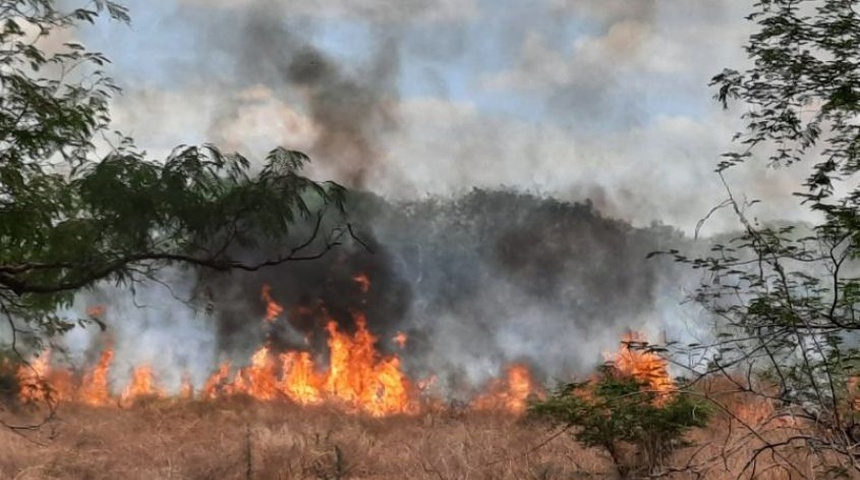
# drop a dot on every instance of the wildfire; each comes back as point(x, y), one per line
point(642, 365)
point(363, 282)
point(186, 389)
point(142, 385)
point(356, 375)
point(273, 309)
point(352, 373)
point(95, 389)
point(33, 378)
point(510, 393)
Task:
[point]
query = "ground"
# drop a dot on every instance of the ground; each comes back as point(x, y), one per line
point(244, 439)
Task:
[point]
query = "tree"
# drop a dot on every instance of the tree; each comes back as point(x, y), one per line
point(77, 208)
point(786, 300)
point(635, 425)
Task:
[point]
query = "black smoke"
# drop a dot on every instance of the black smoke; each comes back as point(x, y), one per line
point(352, 108)
point(476, 281)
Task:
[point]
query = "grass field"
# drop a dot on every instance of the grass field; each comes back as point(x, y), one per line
point(244, 439)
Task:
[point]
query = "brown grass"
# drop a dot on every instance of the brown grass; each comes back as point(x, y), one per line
point(245, 440)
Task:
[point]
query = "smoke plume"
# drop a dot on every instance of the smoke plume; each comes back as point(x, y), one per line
point(508, 206)
point(351, 111)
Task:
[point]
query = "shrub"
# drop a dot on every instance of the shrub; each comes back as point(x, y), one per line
point(637, 426)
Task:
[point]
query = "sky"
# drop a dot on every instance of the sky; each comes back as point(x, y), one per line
point(605, 100)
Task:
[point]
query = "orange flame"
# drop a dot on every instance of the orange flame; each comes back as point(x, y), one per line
point(363, 282)
point(510, 394)
point(273, 309)
point(216, 384)
point(301, 382)
point(186, 388)
point(357, 377)
point(33, 379)
point(95, 389)
point(642, 365)
point(142, 385)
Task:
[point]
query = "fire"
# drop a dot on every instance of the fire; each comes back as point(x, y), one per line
point(215, 385)
point(354, 375)
point(95, 389)
point(301, 382)
point(358, 377)
point(33, 378)
point(510, 394)
point(363, 282)
point(186, 389)
point(642, 365)
point(142, 385)
point(273, 309)
point(40, 383)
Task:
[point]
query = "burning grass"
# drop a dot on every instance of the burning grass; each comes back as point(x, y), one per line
point(357, 416)
point(356, 375)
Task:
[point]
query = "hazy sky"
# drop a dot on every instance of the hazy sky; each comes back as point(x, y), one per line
point(605, 99)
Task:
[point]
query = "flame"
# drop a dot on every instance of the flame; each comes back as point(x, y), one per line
point(142, 385)
point(96, 311)
point(301, 382)
point(426, 383)
point(33, 378)
point(216, 384)
point(355, 376)
point(186, 388)
point(259, 380)
point(510, 394)
point(95, 389)
point(273, 309)
point(363, 282)
point(400, 339)
point(643, 365)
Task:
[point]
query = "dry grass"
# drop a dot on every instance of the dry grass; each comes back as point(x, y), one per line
point(245, 440)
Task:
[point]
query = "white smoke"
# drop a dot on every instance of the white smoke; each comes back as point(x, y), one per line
point(604, 100)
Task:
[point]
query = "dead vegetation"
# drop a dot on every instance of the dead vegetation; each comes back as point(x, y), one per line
point(245, 439)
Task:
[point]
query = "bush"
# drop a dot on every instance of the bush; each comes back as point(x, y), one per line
point(638, 427)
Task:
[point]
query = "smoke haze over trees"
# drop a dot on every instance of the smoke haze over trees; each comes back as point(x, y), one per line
point(478, 278)
point(477, 282)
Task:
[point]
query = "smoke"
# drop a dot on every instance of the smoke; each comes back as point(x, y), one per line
point(588, 83)
point(599, 106)
point(351, 111)
point(415, 99)
point(476, 282)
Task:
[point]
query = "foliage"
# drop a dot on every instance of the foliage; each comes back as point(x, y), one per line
point(618, 413)
point(9, 386)
point(77, 207)
point(787, 299)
